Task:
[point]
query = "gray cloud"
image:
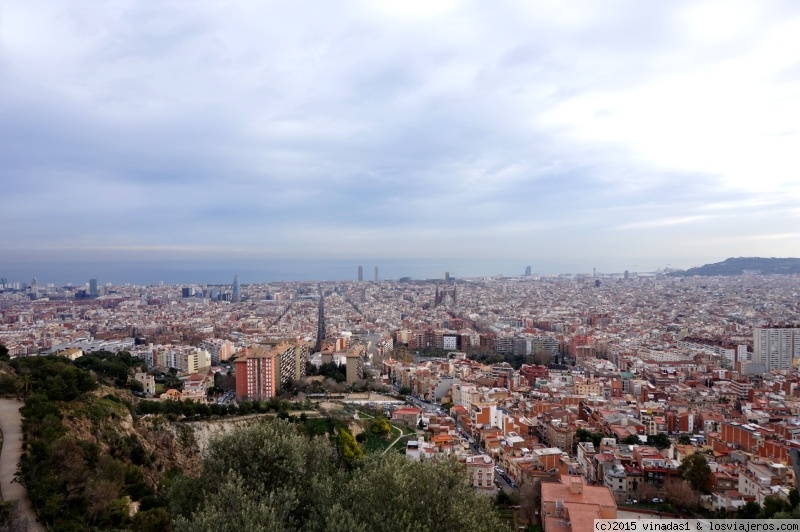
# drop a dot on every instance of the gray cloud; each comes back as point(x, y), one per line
point(622, 129)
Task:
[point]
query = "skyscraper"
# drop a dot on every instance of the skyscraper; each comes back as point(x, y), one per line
point(527, 271)
point(775, 347)
point(360, 273)
point(376, 274)
point(237, 297)
point(92, 287)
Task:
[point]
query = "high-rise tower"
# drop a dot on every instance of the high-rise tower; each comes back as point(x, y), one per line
point(321, 320)
point(237, 296)
point(376, 274)
point(776, 347)
point(360, 273)
point(92, 287)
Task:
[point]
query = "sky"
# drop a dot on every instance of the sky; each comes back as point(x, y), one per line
point(562, 135)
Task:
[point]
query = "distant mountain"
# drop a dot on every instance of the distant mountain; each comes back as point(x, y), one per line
point(740, 265)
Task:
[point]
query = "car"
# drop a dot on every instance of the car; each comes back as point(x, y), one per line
point(658, 500)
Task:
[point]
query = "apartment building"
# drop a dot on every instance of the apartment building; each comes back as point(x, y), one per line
point(257, 373)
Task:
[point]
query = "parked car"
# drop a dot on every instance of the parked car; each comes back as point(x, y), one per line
point(658, 500)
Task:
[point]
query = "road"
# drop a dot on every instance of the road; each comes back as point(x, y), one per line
point(431, 408)
point(11, 425)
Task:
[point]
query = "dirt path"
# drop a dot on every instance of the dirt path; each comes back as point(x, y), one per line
point(11, 425)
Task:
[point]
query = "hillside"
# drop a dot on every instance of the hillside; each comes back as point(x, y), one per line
point(740, 265)
point(95, 457)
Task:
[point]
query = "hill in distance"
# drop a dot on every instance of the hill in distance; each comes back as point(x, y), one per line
point(740, 265)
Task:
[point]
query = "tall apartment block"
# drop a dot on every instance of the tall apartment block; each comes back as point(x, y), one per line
point(293, 361)
point(355, 364)
point(360, 273)
point(257, 374)
point(776, 347)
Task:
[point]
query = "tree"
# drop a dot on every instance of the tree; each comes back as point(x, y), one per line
point(393, 507)
point(4, 353)
point(268, 476)
point(23, 384)
point(152, 520)
point(632, 439)
point(530, 499)
point(794, 498)
point(585, 435)
point(349, 450)
point(772, 505)
point(659, 441)
point(749, 511)
point(543, 358)
point(380, 426)
point(695, 471)
point(684, 439)
point(404, 390)
point(236, 508)
point(794, 514)
point(681, 494)
point(11, 519)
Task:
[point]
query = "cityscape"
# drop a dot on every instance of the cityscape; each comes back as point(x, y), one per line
point(612, 381)
point(437, 266)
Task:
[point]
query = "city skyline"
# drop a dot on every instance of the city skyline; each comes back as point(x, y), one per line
point(261, 272)
point(621, 136)
point(294, 271)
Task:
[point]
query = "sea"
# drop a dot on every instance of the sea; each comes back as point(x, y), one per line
point(222, 271)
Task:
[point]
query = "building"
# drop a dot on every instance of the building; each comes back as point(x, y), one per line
point(92, 288)
point(480, 469)
point(408, 416)
point(776, 347)
point(360, 273)
point(149, 383)
point(257, 374)
point(376, 274)
point(293, 361)
point(572, 505)
point(237, 296)
point(220, 350)
point(355, 364)
point(72, 353)
point(191, 361)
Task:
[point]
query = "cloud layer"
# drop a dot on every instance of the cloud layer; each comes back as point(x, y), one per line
point(620, 132)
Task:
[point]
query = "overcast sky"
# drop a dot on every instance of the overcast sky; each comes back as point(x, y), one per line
point(626, 134)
